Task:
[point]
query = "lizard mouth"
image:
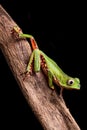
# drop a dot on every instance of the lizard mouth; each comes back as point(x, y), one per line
point(79, 86)
point(75, 88)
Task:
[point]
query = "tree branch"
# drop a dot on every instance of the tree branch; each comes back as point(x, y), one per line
point(50, 110)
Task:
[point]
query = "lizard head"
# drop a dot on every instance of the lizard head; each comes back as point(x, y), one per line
point(72, 83)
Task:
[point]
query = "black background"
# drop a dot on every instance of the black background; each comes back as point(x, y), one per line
point(60, 32)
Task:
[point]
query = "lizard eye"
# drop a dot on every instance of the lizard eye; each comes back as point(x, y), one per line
point(70, 82)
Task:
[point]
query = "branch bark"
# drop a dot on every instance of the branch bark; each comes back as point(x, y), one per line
point(50, 110)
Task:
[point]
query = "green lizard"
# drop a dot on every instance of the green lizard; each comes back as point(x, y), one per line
point(50, 68)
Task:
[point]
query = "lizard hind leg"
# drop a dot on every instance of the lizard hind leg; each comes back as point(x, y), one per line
point(29, 66)
point(34, 63)
point(50, 80)
point(37, 63)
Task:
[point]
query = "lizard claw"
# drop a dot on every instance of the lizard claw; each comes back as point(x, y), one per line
point(26, 74)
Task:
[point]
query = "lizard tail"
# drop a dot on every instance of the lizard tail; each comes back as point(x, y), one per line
point(33, 43)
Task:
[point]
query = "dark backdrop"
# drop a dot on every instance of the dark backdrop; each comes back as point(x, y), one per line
point(60, 32)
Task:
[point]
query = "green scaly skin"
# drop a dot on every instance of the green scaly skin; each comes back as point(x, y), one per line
point(52, 70)
point(55, 73)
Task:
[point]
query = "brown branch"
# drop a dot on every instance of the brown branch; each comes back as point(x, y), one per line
point(49, 108)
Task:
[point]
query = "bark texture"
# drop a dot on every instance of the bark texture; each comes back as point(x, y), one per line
point(49, 109)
